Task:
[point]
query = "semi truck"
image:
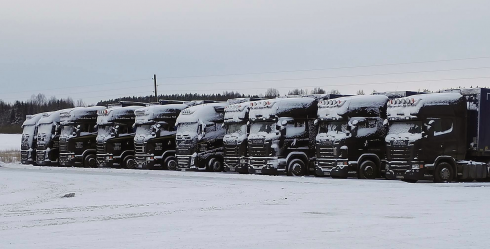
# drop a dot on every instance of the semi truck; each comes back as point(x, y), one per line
point(200, 137)
point(48, 134)
point(154, 140)
point(282, 135)
point(351, 136)
point(115, 136)
point(237, 127)
point(441, 136)
point(77, 139)
point(29, 139)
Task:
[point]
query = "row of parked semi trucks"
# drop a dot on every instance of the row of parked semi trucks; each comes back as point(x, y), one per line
point(397, 135)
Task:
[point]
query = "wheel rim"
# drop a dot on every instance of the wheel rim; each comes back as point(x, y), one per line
point(216, 166)
point(130, 164)
point(445, 174)
point(368, 171)
point(297, 169)
point(172, 165)
point(92, 163)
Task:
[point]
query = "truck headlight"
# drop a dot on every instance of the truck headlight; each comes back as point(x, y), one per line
point(417, 166)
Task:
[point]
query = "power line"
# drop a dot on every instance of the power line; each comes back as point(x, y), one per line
point(328, 68)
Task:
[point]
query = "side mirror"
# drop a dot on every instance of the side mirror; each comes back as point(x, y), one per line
point(284, 122)
point(223, 125)
point(385, 122)
point(74, 134)
point(315, 122)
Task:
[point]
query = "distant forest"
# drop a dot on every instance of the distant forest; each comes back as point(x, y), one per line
point(12, 115)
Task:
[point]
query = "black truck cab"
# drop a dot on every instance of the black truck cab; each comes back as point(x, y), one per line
point(351, 136)
point(199, 138)
point(115, 137)
point(48, 134)
point(442, 136)
point(281, 136)
point(29, 139)
point(154, 140)
point(77, 140)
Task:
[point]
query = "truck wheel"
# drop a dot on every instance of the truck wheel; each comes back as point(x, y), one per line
point(215, 165)
point(90, 161)
point(170, 163)
point(443, 173)
point(410, 180)
point(296, 167)
point(367, 170)
point(129, 163)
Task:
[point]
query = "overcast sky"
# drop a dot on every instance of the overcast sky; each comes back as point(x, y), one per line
point(105, 49)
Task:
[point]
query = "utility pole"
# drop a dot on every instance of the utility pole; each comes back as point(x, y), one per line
point(155, 81)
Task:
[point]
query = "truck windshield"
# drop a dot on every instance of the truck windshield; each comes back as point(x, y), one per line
point(267, 127)
point(336, 127)
point(28, 134)
point(236, 128)
point(143, 130)
point(67, 130)
point(45, 128)
point(187, 128)
point(104, 130)
point(401, 127)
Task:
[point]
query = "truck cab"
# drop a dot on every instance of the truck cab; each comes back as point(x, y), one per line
point(199, 137)
point(351, 136)
point(281, 135)
point(115, 137)
point(237, 127)
point(440, 136)
point(77, 140)
point(29, 139)
point(48, 134)
point(154, 140)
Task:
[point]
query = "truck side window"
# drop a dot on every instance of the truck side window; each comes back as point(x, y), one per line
point(210, 128)
point(442, 126)
point(296, 129)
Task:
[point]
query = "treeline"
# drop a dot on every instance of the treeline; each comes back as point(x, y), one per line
point(13, 115)
point(184, 97)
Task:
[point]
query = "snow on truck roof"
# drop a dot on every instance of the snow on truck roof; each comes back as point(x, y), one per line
point(51, 117)
point(410, 106)
point(202, 113)
point(371, 105)
point(270, 108)
point(145, 114)
point(117, 112)
point(32, 119)
point(80, 113)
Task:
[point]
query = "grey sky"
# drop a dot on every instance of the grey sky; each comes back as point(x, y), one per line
point(80, 48)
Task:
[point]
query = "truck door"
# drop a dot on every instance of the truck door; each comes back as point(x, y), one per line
point(443, 140)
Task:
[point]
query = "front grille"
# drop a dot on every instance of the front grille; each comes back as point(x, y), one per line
point(400, 153)
point(24, 155)
point(139, 148)
point(100, 148)
point(63, 145)
point(257, 149)
point(258, 162)
point(183, 161)
point(325, 152)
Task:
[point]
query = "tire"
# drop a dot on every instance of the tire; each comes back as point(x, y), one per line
point(89, 161)
point(215, 165)
point(296, 167)
point(129, 162)
point(367, 170)
point(170, 163)
point(443, 173)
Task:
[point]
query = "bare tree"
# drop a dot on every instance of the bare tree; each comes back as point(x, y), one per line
point(271, 93)
point(298, 92)
point(80, 103)
point(334, 91)
point(360, 92)
point(318, 90)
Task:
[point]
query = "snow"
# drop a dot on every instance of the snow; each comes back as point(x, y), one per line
point(117, 208)
point(10, 141)
point(410, 107)
point(336, 109)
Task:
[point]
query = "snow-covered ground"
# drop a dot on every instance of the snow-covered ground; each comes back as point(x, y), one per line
point(163, 209)
point(10, 141)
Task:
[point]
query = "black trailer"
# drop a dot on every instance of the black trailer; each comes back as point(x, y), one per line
point(77, 139)
point(282, 135)
point(440, 136)
point(29, 139)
